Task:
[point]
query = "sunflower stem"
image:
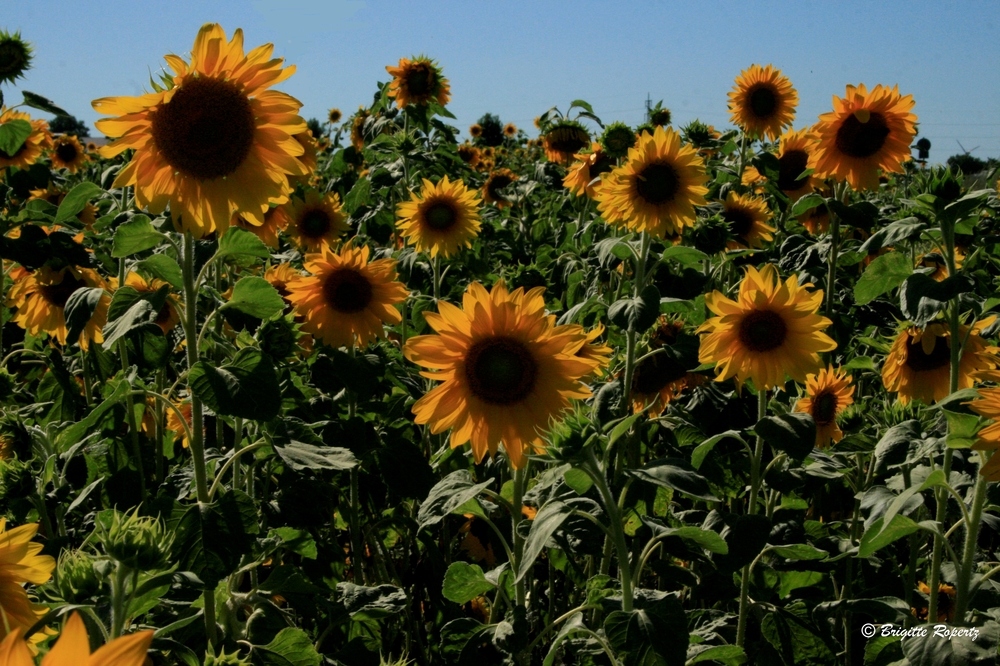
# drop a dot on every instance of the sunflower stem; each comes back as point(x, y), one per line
point(637, 286)
point(616, 528)
point(963, 594)
point(197, 440)
point(831, 271)
point(118, 600)
point(130, 419)
point(758, 453)
point(520, 481)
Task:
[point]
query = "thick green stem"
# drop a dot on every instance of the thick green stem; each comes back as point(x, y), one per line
point(357, 545)
point(831, 270)
point(615, 528)
point(758, 453)
point(971, 544)
point(118, 609)
point(133, 431)
point(520, 481)
point(637, 286)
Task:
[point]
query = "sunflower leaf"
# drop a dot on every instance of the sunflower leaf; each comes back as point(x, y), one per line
point(548, 519)
point(655, 633)
point(131, 309)
point(300, 456)
point(256, 297)
point(13, 134)
point(76, 200)
point(164, 267)
point(794, 433)
point(463, 582)
point(241, 243)
point(922, 297)
point(447, 495)
point(135, 236)
point(637, 314)
point(882, 275)
point(79, 309)
point(807, 203)
point(676, 474)
point(246, 387)
point(876, 537)
point(41, 103)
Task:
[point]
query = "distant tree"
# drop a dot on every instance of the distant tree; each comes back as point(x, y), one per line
point(69, 125)
point(967, 163)
point(315, 127)
point(492, 130)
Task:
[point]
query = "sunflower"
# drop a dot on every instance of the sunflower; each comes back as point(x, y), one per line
point(442, 219)
point(215, 142)
point(40, 299)
point(358, 128)
point(827, 395)
point(54, 196)
point(816, 220)
point(658, 379)
point(469, 154)
point(418, 82)
point(315, 221)
point(15, 56)
point(763, 101)
point(935, 260)
point(658, 186)
point(348, 299)
point(988, 405)
point(564, 140)
point(747, 218)
point(945, 604)
point(865, 132)
point(617, 139)
point(333, 116)
point(919, 363)
point(594, 350)
point(169, 315)
point(475, 130)
point(38, 140)
point(21, 562)
point(588, 167)
point(73, 648)
point(176, 426)
point(770, 331)
point(274, 221)
point(68, 153)
point(510, 130)
point(496, 181)
point(310, 148)
point(506, 369)
point(796, 154)
point(280, 276)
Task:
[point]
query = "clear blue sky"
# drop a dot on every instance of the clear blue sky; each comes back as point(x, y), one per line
point(518, 58)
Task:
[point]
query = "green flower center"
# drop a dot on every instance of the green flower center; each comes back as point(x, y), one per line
point(500, 371)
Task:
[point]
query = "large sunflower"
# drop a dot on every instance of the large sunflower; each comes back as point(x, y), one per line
point(347, 299)
point(657, 188)
point(565, 139)
point(40, 299)
point(506, 369)
point(68, 153)
point(21, 562)
point(38, 141)
point(442, 219)
point(763, 101)
point(748, 218)
point(215, 142)
point(315, 221)
point(828, 393)
point(865, 132)
point(418, 82)
point(771, 331)
point(73, 648)
point(919, 363)
point(588, 167)
point(495, 182)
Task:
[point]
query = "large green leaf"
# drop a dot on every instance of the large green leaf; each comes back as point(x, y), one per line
point(548, 519)
point(13, 134)
point(241, 244)
point(639, 313)
point(36, 101)
point(76, 200)
point(247, 386)
point(301, 456)
point(291, 647)
point(922, 297)
point(135, 236)
point(79, 310)
point(164, 267)
point(447, 495)
point(676, 474)
point(256, 297)
point(212, 537)
point(130, 310)
point(877, 536)
point(653, 635)
point(793, 432)
point(884, 274)
point(463, 582)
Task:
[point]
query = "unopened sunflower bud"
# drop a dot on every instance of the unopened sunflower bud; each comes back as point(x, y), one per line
point(138, 542)
point(224, 659)
point(15, 56)
point(78, 578)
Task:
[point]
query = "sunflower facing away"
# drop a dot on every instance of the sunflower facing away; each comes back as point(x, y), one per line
point(21, 562)
point(865, 132)
point(588, 167)
point(506, 369)
point(40, 299)
point(68, 153)
point(657, 187)
point(215, 142)
point(347, 299)
point(919, 363)
point(418, 82)
point(32, 148)
point(748, 221)
point(442, 219)
point(828, 393)
point(763, 101)
point(769, 332)
point(658, 380)
point(72, 648)
point(492, 188)
point(315, 221)
point(565, 139)
point(358, 128)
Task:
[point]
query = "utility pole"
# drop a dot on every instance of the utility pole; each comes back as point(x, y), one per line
point(649, 107)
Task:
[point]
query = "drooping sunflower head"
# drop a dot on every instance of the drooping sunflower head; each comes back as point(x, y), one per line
point(469, 154)
point(660, 116)
point(495, 183)
point(582, 176)
point(315, 221)
point(15, 56)
point(748, 219)
point(38, 140)
point(418, 82)
point(563, 140)
point(347, 300)
point(657, 187)
point(442, 219)
point(865, 132)
point(510, 130)
point(796, 154)
point(617, 139)
point(828, 393)
point(68, 153)
point(506, 370)
point(763, 101)
point(772, 330)
point(215, 141)
point(918, 366)
point(333, 116)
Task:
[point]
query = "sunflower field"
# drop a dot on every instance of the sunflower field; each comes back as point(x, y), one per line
point(353, 392)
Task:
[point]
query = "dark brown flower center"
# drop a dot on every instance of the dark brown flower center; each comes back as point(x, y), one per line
point(206, 130)
point(918, 361)
point(567, 140)
point(347, 290)
point(762, 331)
point(657, 183)
point(763, 102)
point(419, 79)
point(824, 408)
point(57, 294)
point(655, 373)
point(497, 183)
point(602, 164)
point(740, 221)
point(500, 371)
point(790, 167)
point(441, 216)
point(858, 139)
point(315, 224)
point(67, 152)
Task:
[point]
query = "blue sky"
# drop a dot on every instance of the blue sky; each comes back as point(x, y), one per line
point(518, 58)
